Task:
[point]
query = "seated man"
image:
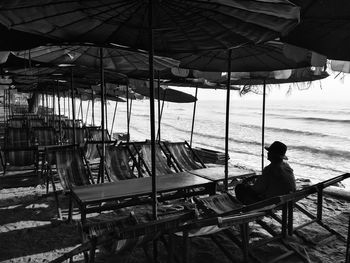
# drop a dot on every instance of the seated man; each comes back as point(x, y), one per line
point(276, 179)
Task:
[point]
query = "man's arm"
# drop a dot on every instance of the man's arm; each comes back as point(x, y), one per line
point(261, 183)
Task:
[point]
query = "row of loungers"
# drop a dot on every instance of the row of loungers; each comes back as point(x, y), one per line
point(223, 212)
point(122, 161)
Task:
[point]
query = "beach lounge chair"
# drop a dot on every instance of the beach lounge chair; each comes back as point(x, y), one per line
point(20, 161)
point(226, 205)
point(16, 123)
point(99, 234)
point(163, 163)
point(35, 122)
point(71, 170)
point(44, 136)
point(184, 156)
point(17, 138)
point(68, 135)
point(291, 201)
point(117, 163)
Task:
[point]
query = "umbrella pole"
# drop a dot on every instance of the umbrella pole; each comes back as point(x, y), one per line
point(59, 113)
point(53, 104)
point(115, 112)
point(152, 119)
point(227, 116)
point(193, 116)
point(73, 104)
point(64, 103)
point(47, 106)
point(87, 111)
point(106, 110)
point(102, 168)
point(127, 113)
point(81, 109)
point(263, 126)
point(68, 104)
point(129, 120)
point(159, 114)
point(93, 107)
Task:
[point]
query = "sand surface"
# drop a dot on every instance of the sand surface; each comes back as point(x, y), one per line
point(31, 232)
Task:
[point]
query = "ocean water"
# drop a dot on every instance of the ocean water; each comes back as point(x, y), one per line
point(316, 133)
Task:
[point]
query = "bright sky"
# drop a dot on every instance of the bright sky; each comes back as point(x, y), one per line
point(329, 89)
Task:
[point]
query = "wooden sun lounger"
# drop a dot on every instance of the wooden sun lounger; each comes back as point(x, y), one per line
point(118, 230)
point(291, 200)
point(184, 156)
point(117, 163)
point(164, 165)
point(71, 170)
point(226, 205)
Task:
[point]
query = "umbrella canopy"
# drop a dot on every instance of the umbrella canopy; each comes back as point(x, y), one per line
point(114, 59)
point(166, 94)
point(178, 25)
point(86, 95)
point(17, 40)
point(324, 28)
point(251, 78)
point(81, 75)
point(265, 56)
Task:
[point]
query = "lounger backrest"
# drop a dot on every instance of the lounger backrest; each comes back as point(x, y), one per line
point(17, 138)
point(117, 163)
point(20, 157)
point(44, 136)
point(184, 156)
point(96, 135)
point(161, 161)
point(33, 123)
point(80, 135)
point(70, 167)
point(15, 123)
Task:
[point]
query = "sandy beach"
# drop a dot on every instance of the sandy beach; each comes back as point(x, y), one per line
point(31, 232)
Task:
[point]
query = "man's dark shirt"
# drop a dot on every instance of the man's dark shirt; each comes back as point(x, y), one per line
point(276, 179)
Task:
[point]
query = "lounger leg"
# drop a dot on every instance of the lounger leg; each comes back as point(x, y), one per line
point(290, 218)
point(319, 204)
point(56, 196)
point(185, 247)
point(170, 246)
point(347, 256)
point(155, 250)
point(245, 241)
point(92, 250)
point(285, 217)
point(70, 210)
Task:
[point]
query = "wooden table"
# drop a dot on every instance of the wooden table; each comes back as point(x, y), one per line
point(89, 198)
point(217, 173)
